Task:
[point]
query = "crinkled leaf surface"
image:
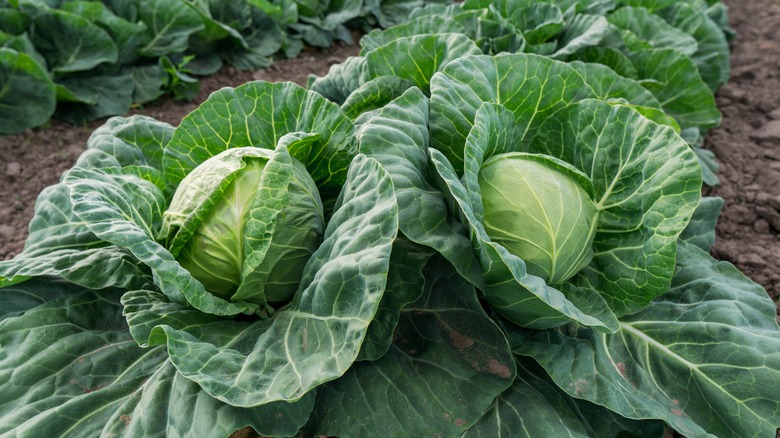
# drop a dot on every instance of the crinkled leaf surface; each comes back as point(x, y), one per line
point(712, 56)
point(398, 137)
point(703, 357)
point(27, 96)
point(259, 114)
point(527, 299)
point(169, 24)
point(653, 29)
point(534, 407)
point(447, 363)
point(530, 86)
point(74, 368)
point(126, 211)
point(317, 338)
point(417, 58)
point(646, 183)
point(675, 81)
point(584, 30)
point(426, 24)
point(60, 244)
point(609, 85)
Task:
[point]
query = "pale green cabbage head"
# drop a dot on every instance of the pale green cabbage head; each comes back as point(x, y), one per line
point(536, 207)
point(223, 197)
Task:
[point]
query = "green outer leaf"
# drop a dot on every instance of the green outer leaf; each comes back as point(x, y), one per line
point(703, 358)
point(397, 137)
point(712, 56)
point(96, 96)
point(70, 43)
point(534, 407)
point(701, 230)
point(75, 370)
point(539, 22)
point(675, 81)
point(417, 58)
point(509, 289)
point(427, 24)
point(27, 96)
point(647, 183)
point(342, 79)
point(169, 25)
point(60, 244)
point(318, 337)
point(531, 86)
point(131, 141)
point(584, 30)
point(608, 56)
point(607, 85)
point(20, 298)
point(127, 211)
point(447, 363)
point(259, 114)
point(405, 281)
point(709, 164)
point(653, 29)
point(374, 94)
point(127, 35)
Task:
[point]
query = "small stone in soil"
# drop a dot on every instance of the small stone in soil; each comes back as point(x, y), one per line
point(775, 114)
point(7, 232)
point(761, 226)
point(13, 169)
point(769, 131)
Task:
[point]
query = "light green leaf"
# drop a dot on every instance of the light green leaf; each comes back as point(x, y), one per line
point(653, 29)
point(530, 86)
point(539, 22)
point(259, 114)
point(609, 85)
point(418, 57)
point(60, 244)
point(397, 137)
point(675, 81)
point(583, 31)
point(447, 363)
point(169, 25)
point(318, 337)
point(27, 96)
point(342, 79)
point(427, 24)
point(127, 211)
point(374, 94)
point(703, 358)
point(523, 298)
point(647, 183)
point(712, 56)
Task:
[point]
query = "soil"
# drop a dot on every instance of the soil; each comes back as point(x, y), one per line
point(747, 144)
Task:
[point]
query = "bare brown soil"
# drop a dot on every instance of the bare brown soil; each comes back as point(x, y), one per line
point(747, 144)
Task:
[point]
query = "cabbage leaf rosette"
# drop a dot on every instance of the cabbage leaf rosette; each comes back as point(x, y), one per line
point(574, 204)
point(247, 251)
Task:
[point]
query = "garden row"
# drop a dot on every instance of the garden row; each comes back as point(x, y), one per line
point(86, 59)
point(488, 223)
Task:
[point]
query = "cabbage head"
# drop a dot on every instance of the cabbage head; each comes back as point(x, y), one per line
point(216, 201)
point(536, 207)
